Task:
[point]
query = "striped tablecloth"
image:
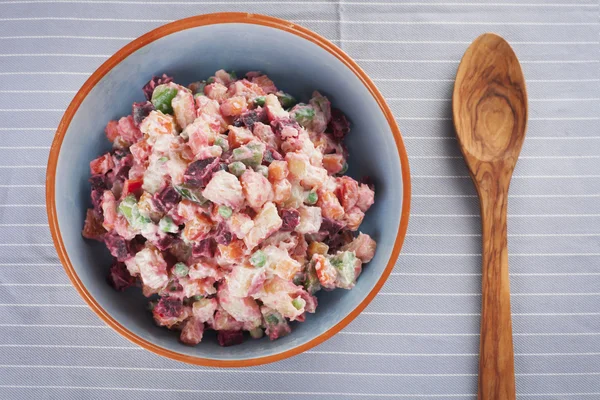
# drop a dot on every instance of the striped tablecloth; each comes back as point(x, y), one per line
point(419, 337)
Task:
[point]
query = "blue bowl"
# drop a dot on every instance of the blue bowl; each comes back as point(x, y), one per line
point(299, 61)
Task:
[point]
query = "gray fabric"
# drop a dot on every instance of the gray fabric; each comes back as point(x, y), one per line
point(419, 337)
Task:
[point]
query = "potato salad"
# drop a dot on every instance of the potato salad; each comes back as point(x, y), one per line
point(226, 202)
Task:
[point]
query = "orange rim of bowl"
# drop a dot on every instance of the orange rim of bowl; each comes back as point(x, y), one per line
point(193, 22)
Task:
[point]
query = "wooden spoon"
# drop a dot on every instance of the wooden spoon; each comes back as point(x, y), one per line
point(489, 108)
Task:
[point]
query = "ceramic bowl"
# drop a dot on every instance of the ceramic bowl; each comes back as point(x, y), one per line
point(299, 61)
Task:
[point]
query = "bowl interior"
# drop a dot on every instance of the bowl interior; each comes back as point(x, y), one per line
point(296, 65)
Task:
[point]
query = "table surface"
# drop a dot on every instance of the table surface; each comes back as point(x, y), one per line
point(419, 337)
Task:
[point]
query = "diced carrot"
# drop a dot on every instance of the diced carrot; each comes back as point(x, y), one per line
point(238, 137)
point(102, 164)
point(330, 205)
point(198, 227)
point(333, 163)
point(278, 170)
point(317, 248)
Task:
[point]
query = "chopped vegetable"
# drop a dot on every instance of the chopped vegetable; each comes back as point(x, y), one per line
point(181, 270)
point(167, 225)
point(162, 97)
point(225, 211)
point(286, 100)
point(258, 259)
point(259, 101)
point(311, 198)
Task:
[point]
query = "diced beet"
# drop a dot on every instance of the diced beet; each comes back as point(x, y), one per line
point(121, 153)
point(164, 242)
point(97, 195)
point(331, 226)
point(335, 242)
point(98, 182)
point(339, 125)
point(282, 123)
point(290, 218)
point(139, 111)
point(199, 173)
point(222, 234)
point(230, 338)
point(168, 307)
point(117, 246)
point(119, 277)
point(367, 180)
point(204, 248)
point(249, 118)
point(148, 88)
point(166, 199)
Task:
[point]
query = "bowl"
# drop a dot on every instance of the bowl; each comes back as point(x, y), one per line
point(299, 61)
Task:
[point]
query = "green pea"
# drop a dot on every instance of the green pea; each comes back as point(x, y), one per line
point(210, 80)
point(264, 170)
point(225, 211)
point(162, 97)
point(222, 143)
point(312, 198)
point(286, 100)
point(344, 168)
point(258, 259)
point(297, 303)
point(237, 168)
point(163, 160)
point(304, 116)
point(259, 101)
point(181, 270)
point(272, 319)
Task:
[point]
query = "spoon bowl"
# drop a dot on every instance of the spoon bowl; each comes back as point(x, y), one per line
point(489, 107)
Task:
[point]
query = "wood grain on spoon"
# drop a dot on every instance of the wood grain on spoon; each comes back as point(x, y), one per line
point(489, 107)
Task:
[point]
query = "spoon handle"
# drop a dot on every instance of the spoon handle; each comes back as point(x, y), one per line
point(496, 357)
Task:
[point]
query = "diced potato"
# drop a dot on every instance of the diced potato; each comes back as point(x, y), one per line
point(240, 224)
point(157, 123)
point(216, 91)
point(184, 108)
point(244, 281)
point(152, 267)
point(265, 223)
point(204, 309)
point(243, 309)
point(280, 263)
point(366, 197)
point(282, 191)
point(310, 220)
point(362, 246)
point(256, 188)
point(274, 109)
point(233, 106)
point(224, 189)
